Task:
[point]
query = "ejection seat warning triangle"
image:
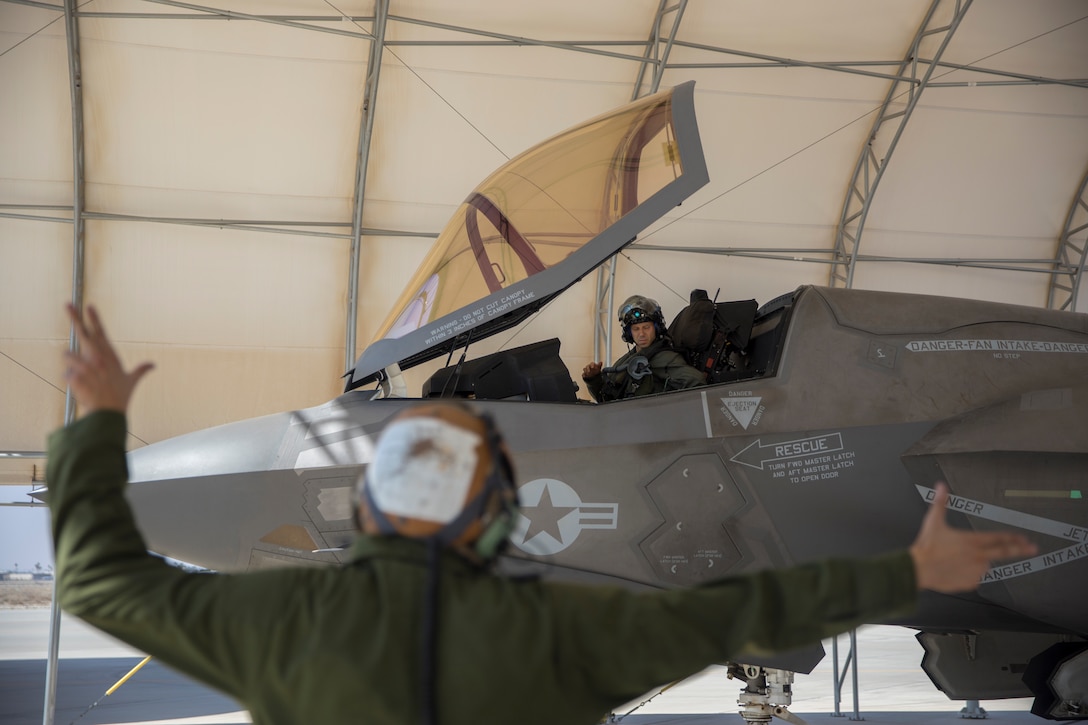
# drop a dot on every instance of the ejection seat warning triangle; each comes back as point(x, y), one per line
point(742, 409)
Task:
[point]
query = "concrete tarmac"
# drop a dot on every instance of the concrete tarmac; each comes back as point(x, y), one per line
point(892, 688)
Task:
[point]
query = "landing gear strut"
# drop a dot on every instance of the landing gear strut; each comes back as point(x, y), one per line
point(767, 693)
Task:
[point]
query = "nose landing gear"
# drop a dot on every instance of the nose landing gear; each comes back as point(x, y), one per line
point(767, 694)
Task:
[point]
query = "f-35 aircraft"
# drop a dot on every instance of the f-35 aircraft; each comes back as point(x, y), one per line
point(828, 418)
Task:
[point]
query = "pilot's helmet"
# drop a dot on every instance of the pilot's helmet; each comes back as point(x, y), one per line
point(637, 308)
point(441, 472)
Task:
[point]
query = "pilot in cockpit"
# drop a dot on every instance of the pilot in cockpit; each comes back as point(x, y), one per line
point(651, 366)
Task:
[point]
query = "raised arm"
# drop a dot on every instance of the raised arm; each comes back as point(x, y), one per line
point(98, 380)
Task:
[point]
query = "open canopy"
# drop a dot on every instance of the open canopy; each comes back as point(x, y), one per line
point(541, 222)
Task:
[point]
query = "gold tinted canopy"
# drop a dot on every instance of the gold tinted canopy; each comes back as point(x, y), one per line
point(540, 222)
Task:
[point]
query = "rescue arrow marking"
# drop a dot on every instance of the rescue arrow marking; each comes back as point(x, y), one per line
point(1028, 522)
point(785, 450)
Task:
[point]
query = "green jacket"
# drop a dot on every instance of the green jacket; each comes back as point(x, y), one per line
point(342, 645)
point(669, 372)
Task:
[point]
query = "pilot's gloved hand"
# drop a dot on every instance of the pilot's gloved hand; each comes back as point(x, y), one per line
point(592, 370)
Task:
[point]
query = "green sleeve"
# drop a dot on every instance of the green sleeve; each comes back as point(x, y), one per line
point(607, 386)
point(670, 367)
point(105, 574)
point(625, 643)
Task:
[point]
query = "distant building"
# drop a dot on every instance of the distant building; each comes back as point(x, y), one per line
point(17, 576)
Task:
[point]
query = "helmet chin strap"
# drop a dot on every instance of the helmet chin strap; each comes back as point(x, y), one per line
point(429, 640)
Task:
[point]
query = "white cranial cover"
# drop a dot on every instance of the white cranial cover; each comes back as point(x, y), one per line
point(423, 469)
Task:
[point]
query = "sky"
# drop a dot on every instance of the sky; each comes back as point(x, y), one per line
point(24, 534)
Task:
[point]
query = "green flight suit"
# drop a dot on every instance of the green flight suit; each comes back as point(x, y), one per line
point(343, 645)
point(669, 372)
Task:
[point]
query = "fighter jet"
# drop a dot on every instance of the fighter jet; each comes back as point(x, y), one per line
point(828, 417)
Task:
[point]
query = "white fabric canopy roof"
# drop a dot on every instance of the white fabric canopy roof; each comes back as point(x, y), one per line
point(220, 170)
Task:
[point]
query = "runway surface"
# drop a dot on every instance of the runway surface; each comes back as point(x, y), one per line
point(892, 688)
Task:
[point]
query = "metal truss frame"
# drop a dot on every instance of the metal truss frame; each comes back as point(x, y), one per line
point(884, 136)
point(656, 56)
point(1072, 254)
point(366, 132)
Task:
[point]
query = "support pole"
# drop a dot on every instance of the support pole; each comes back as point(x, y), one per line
point(366, 130)
point(75, 78)
point(836, 684)
point(851, 666)
point(854, 653)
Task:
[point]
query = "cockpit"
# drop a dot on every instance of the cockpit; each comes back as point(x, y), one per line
point(729, 341)
point(536, 226)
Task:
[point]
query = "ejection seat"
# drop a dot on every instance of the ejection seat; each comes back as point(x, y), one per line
point(714, 336)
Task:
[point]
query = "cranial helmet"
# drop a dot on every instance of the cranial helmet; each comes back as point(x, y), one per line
point(637, 308)
point(440, 472)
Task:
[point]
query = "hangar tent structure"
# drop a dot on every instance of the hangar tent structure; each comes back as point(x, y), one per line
point(243, 187)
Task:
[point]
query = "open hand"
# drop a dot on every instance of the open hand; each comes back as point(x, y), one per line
point(953, 560)
point(96, 376)
point(592, 370)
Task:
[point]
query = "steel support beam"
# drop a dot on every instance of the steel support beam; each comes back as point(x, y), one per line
point(856, 67)
point(366, 131)
point(850, 666)
point(655, 58)
point(762, 60)
point(1034, 80)
point(272, 226)
point(605, 297)
point(75, 83)
point(581, 47)
point(232, 15)
point(816, 255)
point(892, 118)
point(1072, 253)
point(658, 48)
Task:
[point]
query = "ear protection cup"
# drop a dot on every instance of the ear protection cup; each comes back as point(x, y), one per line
point(496, 537)
point(496, 534)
